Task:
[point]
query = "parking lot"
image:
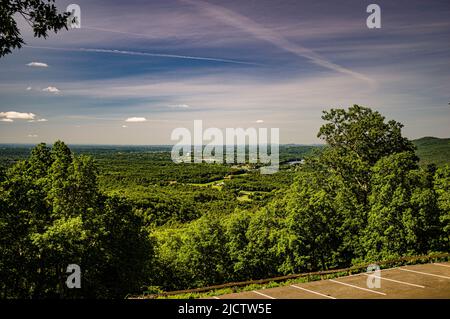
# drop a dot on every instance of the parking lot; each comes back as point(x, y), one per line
point(405, 282)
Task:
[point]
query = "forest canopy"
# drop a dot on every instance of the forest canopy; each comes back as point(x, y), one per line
point(361, 198)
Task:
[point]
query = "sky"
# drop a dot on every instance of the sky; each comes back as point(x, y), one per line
point(136, 70)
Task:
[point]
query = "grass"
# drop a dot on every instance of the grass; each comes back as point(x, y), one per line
point(213, 183)
point(244, 196)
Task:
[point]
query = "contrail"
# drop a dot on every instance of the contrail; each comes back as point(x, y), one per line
point(259, 31)
point(141, 35)
point(126, 52)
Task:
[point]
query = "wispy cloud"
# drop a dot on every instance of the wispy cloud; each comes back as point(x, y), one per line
point(138, 53)
point(38, 120)
point(313, 56)
point(179, 106)
point(259, 31)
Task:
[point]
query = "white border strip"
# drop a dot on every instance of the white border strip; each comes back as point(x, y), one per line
point(313, 292)
point(425, 273)
point(365, 289)
point(264, 295)
point(397, 281)
point(438, 264)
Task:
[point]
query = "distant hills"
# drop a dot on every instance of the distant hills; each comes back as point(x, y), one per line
point(433, 150)
point(429, 149)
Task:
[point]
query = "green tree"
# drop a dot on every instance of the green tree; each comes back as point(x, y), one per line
point(363, 133)
point(404, 218)
point(357, 138)
point(52, 215)
point(63, 242)
point(236, 226)
point(327, 206)
point(41, 15)
point(262, 254)
point(204, 252)
point(312, 223)
point(40, 160)
point(119, 252)
point(442, 189)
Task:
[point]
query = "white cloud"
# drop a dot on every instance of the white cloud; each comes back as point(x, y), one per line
point(124, 126)
point(29, 88)
point(32, 135)
point(6, 120)
point(51, 89)
point(38, 64)
point(12, 115)
point(259, 121)
point(180, 106)
point(136, 119)
point(38, 120)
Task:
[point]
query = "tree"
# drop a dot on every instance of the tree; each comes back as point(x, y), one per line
point(63, 242)
point(204, 252)
point(357, 139)
point(442, 188)
point(52, 215)
point(40, 160)
point(404, 218)
point(236, 226)
point(313, 222)
point(327, 206)
point(363, 133)
point(262, 254)
point(41, 15)
point(119, 254)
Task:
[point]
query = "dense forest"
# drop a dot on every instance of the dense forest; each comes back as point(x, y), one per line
point(134, 221)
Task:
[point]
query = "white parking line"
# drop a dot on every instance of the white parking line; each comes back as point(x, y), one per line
point(397, 281)
point(388, 269)
point(264, 295)
point(425, 273)
point(438, 264)
point(313, 292)
point(369, 290)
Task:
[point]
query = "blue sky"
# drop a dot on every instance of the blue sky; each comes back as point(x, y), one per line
point(228, 63)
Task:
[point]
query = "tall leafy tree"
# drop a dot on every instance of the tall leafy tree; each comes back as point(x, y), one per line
point(404, 218)
point(52, 215)
point(328, 205)
point(357, 139)
point(204, 250)
point(442, 188)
